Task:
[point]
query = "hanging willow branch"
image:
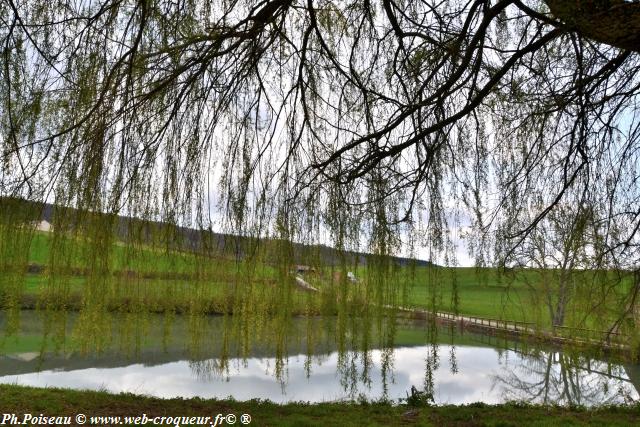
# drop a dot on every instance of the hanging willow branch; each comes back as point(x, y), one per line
point(297, 120)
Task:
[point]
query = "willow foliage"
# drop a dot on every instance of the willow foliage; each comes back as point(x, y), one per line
point(371, 126)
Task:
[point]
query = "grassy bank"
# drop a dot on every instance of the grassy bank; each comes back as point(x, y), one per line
point(57, 402)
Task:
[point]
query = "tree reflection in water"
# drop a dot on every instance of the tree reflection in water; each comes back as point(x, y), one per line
point(336, 357)
point(561, 378)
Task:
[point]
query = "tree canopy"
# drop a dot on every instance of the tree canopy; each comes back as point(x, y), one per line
point(389, 122)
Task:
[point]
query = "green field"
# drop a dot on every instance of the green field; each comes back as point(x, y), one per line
point(158, 278)
point(141, 259)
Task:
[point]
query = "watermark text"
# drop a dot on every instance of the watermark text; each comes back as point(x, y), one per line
point(144, 419)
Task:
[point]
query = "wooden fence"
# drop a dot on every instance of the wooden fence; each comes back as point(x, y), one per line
point(558, 333)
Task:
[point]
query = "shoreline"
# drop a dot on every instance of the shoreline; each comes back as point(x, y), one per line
point(55, 402)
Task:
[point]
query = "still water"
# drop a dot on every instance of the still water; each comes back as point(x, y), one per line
point(456, 369)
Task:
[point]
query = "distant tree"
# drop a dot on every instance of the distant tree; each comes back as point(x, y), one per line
point(558, 250)
point(355, 117)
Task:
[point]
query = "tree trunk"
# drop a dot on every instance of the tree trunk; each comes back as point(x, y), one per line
point(612, 22)
point(558, 317)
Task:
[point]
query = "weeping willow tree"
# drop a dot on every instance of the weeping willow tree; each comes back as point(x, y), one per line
point(380, 127)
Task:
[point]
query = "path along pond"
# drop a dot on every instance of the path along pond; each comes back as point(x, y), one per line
point(186, 356)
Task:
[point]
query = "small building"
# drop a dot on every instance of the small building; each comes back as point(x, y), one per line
point(44, 225)
point(351, 277)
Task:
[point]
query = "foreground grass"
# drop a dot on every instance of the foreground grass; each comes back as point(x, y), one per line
point(58, 402)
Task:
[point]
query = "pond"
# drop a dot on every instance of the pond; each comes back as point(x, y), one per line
point(313, 364)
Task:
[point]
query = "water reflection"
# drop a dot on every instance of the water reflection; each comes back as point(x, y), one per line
point(557, 378)
point(453, 369)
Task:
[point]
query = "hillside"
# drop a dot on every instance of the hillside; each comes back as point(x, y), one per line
point(187, 239)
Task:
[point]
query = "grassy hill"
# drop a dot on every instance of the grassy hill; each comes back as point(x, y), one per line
point(482, 292)
point(151, 271)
